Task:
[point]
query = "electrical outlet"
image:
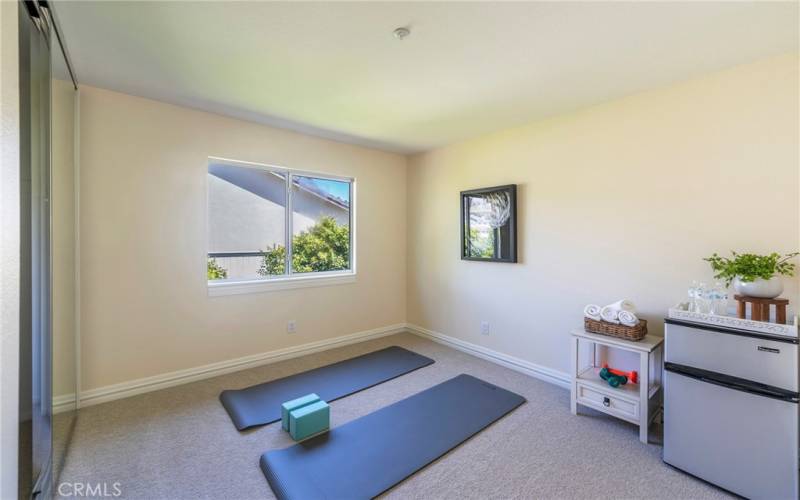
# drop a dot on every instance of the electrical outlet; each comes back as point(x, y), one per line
point(291, 326)
point(484, 328)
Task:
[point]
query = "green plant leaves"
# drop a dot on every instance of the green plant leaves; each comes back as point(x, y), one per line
point(215, 271)
point(749, 267)
point(322, 247)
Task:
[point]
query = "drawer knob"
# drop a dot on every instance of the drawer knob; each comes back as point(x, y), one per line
point(606, 402)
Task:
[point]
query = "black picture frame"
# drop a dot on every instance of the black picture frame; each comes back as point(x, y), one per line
point(503, 246)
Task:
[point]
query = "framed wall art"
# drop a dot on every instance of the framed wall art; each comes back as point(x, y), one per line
point(489, 224)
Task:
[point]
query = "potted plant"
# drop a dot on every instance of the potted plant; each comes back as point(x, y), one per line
point(754, 275)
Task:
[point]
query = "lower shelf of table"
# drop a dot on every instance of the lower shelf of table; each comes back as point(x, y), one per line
point(591, 377)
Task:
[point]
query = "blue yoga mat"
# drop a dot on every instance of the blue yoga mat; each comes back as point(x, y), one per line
point(261, 404)
point(369, 455)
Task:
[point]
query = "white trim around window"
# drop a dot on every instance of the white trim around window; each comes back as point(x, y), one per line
point(225, 287)
point(290, 280)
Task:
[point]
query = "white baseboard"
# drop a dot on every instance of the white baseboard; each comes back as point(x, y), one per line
point(556, 377)
point(148, 384)
point(171, 379)
point(64, 402)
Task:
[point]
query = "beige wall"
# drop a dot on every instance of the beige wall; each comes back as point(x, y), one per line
point(145, 308)
point(618, 200)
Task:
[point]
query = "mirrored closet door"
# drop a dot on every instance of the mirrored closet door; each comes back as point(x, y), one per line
point(48, 374)
point(35, 412)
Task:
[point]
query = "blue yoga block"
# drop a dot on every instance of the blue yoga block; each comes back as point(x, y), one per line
point(309, 420)
point(294, 405)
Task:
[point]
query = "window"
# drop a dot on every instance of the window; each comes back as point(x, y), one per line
point(271, 228)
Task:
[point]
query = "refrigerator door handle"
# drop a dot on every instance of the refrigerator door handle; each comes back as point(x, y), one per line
point(735, 383)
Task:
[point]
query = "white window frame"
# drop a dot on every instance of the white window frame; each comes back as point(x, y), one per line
point(290, 280)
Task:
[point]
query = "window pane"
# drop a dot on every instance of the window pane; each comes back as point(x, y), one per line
point(246, 222)
point(320, 225)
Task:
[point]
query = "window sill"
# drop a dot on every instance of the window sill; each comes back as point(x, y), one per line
point(221, 288)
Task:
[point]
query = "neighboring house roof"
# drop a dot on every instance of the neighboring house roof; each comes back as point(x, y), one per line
point(248, 179)
point(247, 208)
point(308, 185)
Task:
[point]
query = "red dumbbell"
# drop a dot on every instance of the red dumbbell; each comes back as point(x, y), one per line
point(632, 375)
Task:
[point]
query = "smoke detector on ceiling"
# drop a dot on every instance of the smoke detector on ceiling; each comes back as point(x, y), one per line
point(401, 32)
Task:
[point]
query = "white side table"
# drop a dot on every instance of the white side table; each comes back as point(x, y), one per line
point(636, 403)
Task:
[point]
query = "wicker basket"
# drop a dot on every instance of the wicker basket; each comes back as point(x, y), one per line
point(634, 333)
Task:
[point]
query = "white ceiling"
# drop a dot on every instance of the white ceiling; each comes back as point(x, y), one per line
point(334, 69)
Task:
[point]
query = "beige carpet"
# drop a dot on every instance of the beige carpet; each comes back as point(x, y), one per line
point(179, 443)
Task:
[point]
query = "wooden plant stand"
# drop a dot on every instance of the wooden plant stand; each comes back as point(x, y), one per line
point(760, 308)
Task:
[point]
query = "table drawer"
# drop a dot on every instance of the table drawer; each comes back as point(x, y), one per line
point(608, 402)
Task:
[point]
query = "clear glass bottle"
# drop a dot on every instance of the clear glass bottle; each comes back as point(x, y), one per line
point(719, 304)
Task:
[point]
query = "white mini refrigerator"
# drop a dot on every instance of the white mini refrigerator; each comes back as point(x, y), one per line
point(731, 408)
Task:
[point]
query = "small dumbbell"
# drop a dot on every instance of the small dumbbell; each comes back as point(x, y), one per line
point(613, 380)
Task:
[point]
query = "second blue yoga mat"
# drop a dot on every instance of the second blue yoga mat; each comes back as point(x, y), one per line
point(369, 455)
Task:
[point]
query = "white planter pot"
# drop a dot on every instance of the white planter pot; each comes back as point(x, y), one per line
point(763, 289)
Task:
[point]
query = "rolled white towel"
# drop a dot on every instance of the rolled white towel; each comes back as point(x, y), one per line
point(610, 315)
point(628, 318)
point(592, 311)
point(623, 305)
